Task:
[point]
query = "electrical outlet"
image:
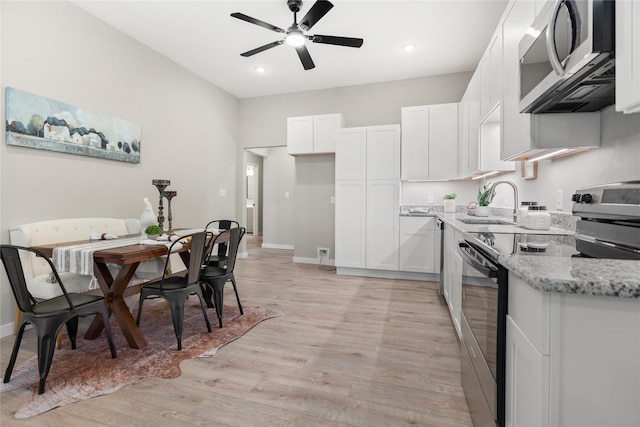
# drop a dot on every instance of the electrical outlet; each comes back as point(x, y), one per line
point(430, 199)
point(559, 195)
point(323, 252)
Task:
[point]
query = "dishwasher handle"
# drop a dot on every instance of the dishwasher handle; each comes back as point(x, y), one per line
point(464, 248)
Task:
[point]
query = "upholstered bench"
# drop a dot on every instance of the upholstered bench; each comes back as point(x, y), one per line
point(36, 270)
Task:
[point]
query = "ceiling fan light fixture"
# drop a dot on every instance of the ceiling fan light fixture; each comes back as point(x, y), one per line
point(294, 38)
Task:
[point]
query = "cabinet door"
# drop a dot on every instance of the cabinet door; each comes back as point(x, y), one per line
point(383, 152)
point(443, 141)
point(455, 262)
point(468, 122)
point(527, 381)
point(495, 53)
point(325, 128)
point(515, 127)
point(351, 153)
point(485, 84)
point(628, 56)
point(383, 217)
point(415, 143)
point(350, 223)
point(418, 245)
point(300, 135)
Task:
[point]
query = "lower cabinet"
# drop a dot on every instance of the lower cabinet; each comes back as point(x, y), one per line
point(572, 360)
point(452, 277)
point(419, 245)
point(527, 384)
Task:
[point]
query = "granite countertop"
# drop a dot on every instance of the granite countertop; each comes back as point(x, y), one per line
point(570, 275)
point(586, 276)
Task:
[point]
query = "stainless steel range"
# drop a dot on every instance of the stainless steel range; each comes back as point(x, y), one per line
point(610, 220)
point(609, 227)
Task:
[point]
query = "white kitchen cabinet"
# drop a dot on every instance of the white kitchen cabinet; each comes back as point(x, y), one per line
point(383, 218)
point(430, 142)
point(367, 200)
point(351, 153)
point(351, 214)
point(526, 135)
point(490, 75)
point(453, 271)
point(527, 374)
point(571, 359)
point(383, 152)
point(419, 248)
point(468, 129)
point(628, 56)
point(313, 134)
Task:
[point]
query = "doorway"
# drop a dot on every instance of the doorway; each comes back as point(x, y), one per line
point(252, 199)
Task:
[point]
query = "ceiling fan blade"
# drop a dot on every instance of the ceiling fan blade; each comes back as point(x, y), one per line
point(317, 11)
point(255, 21)
point(336, 40)
point(262, 48)
point(305, 58)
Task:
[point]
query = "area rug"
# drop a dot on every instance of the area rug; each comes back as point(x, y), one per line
point(89, 371)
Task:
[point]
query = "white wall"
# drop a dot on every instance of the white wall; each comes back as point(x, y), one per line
point(189, 127)
point(279, 215)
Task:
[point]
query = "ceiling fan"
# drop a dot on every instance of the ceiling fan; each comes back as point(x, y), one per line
point(295, 35)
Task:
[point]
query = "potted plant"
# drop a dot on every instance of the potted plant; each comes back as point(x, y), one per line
point(485, 196)
point(153, 231)
point(450, 202)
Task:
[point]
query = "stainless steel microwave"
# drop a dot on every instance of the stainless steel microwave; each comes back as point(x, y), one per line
point(567, 58)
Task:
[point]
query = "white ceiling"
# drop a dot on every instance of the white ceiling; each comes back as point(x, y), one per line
point(449, 36)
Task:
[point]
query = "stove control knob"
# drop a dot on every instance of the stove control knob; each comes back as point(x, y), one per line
point(576, 197)
point(586, 198)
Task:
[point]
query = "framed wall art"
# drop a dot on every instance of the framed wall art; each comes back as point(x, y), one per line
point(45, 124)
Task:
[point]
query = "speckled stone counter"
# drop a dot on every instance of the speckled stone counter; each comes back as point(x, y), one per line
point(586, 276)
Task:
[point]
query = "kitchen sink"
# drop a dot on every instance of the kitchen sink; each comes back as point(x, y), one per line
point(487, 221)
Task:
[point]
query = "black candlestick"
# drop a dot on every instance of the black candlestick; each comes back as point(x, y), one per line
point(170, 195)
point(161, 184)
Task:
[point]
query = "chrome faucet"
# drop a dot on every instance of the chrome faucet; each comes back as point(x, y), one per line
point(515, 196)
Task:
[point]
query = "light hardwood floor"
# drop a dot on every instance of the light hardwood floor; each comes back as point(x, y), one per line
point(349, 351)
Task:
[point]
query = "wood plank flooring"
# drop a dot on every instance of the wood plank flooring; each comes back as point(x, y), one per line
point(349, 351)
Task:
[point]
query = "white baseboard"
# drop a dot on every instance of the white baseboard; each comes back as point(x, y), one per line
point(388, 274)
point(303, 260)
point(277, 246)
point(6, 330)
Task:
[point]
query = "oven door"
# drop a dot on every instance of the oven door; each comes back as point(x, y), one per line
point(483, 335)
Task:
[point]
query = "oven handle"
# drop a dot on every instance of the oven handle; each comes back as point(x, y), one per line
point(463, 247)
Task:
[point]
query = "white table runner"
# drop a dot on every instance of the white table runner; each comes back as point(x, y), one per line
point(79, 258)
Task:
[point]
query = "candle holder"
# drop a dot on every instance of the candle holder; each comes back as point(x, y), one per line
point(170, 195)
point(161, 184)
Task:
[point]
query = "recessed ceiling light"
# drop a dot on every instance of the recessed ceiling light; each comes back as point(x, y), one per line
point(409, 48)
point(260, 70)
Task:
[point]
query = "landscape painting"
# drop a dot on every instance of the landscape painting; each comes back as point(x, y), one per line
point(36, 122)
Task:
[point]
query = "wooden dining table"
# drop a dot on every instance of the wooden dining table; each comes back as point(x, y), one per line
point(115, 288)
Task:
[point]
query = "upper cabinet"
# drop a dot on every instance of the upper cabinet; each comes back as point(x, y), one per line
point(430, 142)
point(491, 75)
point(525, 135)
point(628, 56)
point(368, 153)
point(313, 134)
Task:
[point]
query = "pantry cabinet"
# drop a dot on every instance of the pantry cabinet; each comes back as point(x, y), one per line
point(430, 142)
point(368, 197)
point(313, 134)
point(628, 56)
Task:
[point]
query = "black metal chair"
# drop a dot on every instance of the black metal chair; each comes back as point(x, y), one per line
point(175, 289)
point(215, 278)
point(220, 259)
point(48, 316)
